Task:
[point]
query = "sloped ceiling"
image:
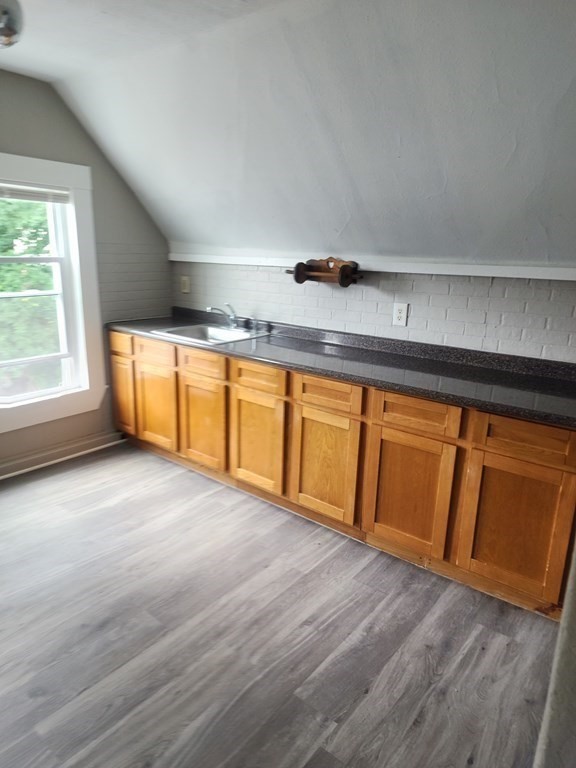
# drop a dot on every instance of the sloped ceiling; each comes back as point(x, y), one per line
point(430, 129)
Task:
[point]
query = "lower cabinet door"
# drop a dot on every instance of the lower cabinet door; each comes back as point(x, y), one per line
point(156, 405)
point(517, 519)
point(325, 462)
point(257, 424)
point(202, 415)
point(122, 371)
point(407, 490)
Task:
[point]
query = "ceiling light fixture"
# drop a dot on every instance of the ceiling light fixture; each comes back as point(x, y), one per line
point(10, 22)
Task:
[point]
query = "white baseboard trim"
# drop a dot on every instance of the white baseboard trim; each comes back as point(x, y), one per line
point(62, 452)
point(413, 264)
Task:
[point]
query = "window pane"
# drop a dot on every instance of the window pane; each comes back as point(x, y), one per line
point(28, 327)
point(23, 228)
point(17, 380)
point(16, 277)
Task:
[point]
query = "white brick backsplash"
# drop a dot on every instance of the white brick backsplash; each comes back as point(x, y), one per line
point(506, 305)
point(469, 289)
point(555, 308)
point(474, 329)
point(134, 281)
point(522, 320)
point(365, 328)
point(503, 332)
point(332, 302)
point(377, 318)
point(373, 293)
point(535, 318)
point(418, 323)
point(391, 285)
point(414, 298)
point(467, 315)
point(523, 291)
point(446, 326)
point(304, 301)
point(430, 287)
point(497, 290)
point(551, 352)
point(565, 295)
point(361, 306)
point(561, 324)
point(477, 303)
point(301, 320)
point(454, 302)
point(511, 348)
point(490, 345)
point(493, 318)
point(397, 332)
point(427, 337)
point(431, 313)
point(545, 337)
point(473, 342)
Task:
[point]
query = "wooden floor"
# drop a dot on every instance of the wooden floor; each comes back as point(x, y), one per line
point(152, 618)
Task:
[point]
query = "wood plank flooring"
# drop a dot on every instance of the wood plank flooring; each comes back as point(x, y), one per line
point(152, 618)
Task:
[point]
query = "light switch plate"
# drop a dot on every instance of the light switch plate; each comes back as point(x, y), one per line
point(184, 284)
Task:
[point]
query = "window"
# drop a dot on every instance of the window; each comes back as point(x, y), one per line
point(50, 337)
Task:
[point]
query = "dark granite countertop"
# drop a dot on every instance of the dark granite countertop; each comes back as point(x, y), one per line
point(526, 388)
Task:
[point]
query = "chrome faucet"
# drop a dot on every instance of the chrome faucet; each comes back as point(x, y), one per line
point(229, 314)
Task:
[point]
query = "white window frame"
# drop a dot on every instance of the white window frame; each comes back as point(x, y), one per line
point(81, 299)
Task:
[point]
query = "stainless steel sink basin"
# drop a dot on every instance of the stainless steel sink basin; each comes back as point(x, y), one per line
point(210, 335)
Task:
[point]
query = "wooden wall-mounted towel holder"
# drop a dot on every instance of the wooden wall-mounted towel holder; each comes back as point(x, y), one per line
point(344, 273)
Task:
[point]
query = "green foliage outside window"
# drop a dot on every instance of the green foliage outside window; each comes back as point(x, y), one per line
point(23, 228)
point(28, 325)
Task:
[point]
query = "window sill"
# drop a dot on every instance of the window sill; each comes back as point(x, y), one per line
point(50, 408)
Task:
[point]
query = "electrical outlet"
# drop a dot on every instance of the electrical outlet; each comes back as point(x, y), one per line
point(400, 314)
point(184, 284)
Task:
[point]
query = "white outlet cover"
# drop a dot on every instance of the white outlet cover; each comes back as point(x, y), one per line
point(400, 314)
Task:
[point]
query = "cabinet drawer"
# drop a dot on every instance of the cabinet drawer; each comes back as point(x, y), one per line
point(414, 413)
point(158, 352)
point(526, 440)
point(197, 361)
point(264, 378)
point(326, 393)
point(121, 343)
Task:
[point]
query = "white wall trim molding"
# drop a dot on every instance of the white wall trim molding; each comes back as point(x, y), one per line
point(18, 465)
point(88, 392)
point(203, 254)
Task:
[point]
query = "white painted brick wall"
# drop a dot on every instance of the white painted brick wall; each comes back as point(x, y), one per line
point(134, 281)
point(535, 318)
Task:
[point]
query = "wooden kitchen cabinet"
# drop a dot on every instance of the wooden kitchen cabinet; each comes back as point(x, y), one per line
point(202, 407)
point(325, 445)
point(325, 455)
point(122, 372)
point(122, 379)
point(257, 429)
point(156, 394)
point(516, 522)
point(407, 490)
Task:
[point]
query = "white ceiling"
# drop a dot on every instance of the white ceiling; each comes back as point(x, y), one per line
point(66, 37)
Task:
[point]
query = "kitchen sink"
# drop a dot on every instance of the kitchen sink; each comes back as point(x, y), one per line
point(210, 335)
